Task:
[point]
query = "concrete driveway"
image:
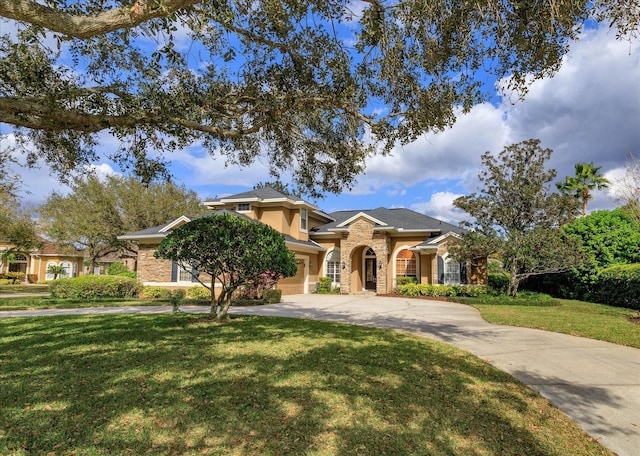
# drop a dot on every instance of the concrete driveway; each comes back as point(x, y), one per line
point(596, 383)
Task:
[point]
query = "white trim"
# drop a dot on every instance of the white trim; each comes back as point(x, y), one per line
point(293, 246)
point(363, 215)
point(305, 285)
point(177, 222)
point(442, 237)
point(324, 265)
point(144, 237)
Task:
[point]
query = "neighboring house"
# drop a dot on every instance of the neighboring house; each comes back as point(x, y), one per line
point(105, 261)
point(34, 263)
point(361, 250)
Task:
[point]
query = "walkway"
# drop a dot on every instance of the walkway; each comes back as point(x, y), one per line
point(596, 383)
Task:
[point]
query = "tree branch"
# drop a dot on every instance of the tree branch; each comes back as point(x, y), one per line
point(87, 26)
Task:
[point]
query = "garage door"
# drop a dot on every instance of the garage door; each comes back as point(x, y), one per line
point(293, 285)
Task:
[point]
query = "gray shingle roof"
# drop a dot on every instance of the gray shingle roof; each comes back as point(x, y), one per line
point(264, 193)
point(398, 218)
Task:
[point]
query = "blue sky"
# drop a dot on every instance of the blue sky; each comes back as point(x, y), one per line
point(588, 112)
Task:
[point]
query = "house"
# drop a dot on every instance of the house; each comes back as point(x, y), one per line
point(34, 263)
point(360, 250)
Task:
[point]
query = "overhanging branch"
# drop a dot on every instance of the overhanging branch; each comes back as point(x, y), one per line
point(87, 26)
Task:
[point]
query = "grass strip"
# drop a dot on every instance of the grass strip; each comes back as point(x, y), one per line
point(578, 318)
point(181, 384)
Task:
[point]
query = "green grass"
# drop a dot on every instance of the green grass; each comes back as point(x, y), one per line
point(578, 318)
point(180, 384)
point(13, 289)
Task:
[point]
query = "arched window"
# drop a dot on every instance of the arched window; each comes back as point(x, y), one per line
point(332, 266)
point(67, 269)
point(406, 264)
point(49, 276)
point(18, 263)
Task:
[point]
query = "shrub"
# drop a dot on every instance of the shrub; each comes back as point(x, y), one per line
point(619, 286)
point(272, 296)
point(176, 297)
point(324, 285)
point(15, 277)
point(199, 293)
point(156, 292)
point(405, 280)
point(498, 282)
point(92, 287)
point(120, 269)
point(412, 289)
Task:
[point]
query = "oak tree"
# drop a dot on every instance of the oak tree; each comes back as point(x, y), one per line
point(98, 210)
point(228, 250)
point(517, 217)
point(311, 86)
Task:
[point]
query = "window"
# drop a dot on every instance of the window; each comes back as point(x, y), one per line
point(243, 207)
point(49, 276)
point(406, 264)
point(67, 269)
point(451, 271)
point(180, 274)
point(332, 266)
point(303, 219)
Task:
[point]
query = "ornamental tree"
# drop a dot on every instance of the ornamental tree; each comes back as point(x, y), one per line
point(228, 251)
point(517, 218)
point(312, 86)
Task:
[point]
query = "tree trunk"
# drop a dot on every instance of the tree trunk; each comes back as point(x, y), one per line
point(514, 281)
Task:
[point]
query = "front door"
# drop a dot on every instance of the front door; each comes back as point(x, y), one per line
point(370, 274)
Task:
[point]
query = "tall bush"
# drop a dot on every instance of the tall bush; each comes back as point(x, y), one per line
point(93, 287)
point(619, 286)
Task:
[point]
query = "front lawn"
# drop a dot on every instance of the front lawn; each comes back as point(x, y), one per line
point(18, 288)
point(578, 318)
point(180, 384)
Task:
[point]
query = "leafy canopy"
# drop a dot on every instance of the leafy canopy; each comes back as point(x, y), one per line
point(229, 250)
point(308, 86)
point(607, 238)
point(516, 217)
point(17, 226)
point(98, 210)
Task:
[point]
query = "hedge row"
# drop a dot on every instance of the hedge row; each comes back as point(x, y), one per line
point(95, 286)
point(203, 294)
point(619, 286)
point(414, 289)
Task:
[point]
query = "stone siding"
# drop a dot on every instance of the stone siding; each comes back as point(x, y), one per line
point(361, 234)
point(152, 269)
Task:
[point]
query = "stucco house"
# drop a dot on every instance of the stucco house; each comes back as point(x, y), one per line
point(34, 263)
point(360, 250)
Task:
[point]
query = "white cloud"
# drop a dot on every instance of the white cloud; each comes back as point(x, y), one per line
point(441, 207)
point(588, 112)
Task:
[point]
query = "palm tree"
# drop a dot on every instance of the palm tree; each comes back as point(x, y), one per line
point(587, 178)
point(56, 270)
